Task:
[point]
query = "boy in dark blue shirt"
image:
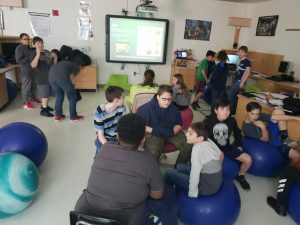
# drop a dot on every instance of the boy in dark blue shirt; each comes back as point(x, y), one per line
point(242, 73)
point(218, 78)
point(163, 123)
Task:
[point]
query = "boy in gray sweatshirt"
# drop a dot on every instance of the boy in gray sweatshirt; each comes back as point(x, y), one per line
point(203, 174)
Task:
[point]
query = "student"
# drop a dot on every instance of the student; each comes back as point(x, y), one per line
point(107, 116)
point(122, 177)
point(205, 177)
point(41, 63)
point(223, 125)
point(241, 76)
point(62, 79)
point(163, 123)
point(202, 78)
point(288, 176)
point(55, 56)
point(275, 132)
point(148, 86)
point(181, 95)
point(218, 78)
point(28, 85)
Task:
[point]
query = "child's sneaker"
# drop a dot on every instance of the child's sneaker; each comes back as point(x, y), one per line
point(45, 112)
point(278, 208)
point(290, 143)
point(242, 181)
point(59, 118)
point(76, 118)
point(48, 108)
point(37, 101)
point(195, 105)
point(28, 105)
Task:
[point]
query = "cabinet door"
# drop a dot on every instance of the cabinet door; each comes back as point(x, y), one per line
point(87, 78)
point(188, 76)
point(3, 90)
point(256, 59)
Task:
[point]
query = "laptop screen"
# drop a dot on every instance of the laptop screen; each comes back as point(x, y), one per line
point(233, 59)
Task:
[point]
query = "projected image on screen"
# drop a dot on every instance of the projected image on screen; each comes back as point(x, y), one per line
point(136, 40)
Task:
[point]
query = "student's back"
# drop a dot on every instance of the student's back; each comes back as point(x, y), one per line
point(219, 76)
point(61, 71)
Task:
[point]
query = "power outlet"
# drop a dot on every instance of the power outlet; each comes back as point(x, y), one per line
point(85, 49)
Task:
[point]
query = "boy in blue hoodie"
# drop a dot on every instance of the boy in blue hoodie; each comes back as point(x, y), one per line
point(218, 79)
point(163, 123)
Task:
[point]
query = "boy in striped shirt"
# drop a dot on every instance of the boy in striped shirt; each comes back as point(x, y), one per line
point(107, 116)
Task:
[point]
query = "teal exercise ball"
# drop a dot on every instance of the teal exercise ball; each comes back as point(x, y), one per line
point(19, 181)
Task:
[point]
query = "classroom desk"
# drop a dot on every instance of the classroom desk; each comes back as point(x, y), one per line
point(274, 86)
point(3, 87)
point(293, 126)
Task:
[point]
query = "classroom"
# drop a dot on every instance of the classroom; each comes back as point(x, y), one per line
point(108, 51)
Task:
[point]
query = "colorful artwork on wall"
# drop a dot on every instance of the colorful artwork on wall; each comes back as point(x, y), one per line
point(266, 25)
point(197, 29)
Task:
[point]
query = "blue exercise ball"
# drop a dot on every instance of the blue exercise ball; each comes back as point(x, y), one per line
point(293, 205)
point(11, 89)
point(267, 161)
point(26, 139)
point(222, 207)
point(230, 168)
point(19, 183)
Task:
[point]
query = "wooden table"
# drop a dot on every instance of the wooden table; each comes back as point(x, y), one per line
point(293, 126)
point(274, 86)
point(3, 87)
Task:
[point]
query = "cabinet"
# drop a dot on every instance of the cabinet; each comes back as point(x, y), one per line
point(265, 63)
point(87, 77)
point(188, 73)
point(3, 90)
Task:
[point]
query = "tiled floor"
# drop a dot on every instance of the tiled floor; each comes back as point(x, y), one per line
point(64, 174)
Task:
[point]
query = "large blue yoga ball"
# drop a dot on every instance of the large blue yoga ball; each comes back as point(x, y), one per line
point(19, 183)
point(11, 89)
point(267, 161)
point(293, 205)
point(230, 168)
point(26, 139)
point(222, 207)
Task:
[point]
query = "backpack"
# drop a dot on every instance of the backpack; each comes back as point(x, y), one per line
point(292, 104)
point(81, 58)
point(66, 53)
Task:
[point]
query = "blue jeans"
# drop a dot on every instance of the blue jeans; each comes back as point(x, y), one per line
point(165, 209)
point(215, 94)
point(235, 88)
point(99, 145)
point(179, 177)
point(60, 90)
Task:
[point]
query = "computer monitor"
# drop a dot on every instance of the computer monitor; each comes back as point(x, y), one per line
point(284, 67)
point(232, 59)
point(181, 54)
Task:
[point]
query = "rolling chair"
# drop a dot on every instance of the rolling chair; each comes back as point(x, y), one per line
point(82, 219)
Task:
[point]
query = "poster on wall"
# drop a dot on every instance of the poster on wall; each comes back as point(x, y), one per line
point(197, 29)
point(266, 25)
point(85, 21)
point(40, 24)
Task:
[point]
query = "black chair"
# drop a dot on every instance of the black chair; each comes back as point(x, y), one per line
point(82, 219)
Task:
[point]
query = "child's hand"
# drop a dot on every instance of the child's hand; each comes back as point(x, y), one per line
point(179, 91)
point(260, 124)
